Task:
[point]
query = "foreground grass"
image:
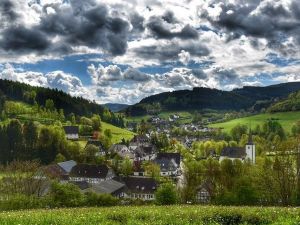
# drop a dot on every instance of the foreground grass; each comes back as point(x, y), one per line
point(287, 119)
point(155, 215)
point(117, 132)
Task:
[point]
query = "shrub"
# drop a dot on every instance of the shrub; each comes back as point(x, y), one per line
point(93, 199)
point(66, 195)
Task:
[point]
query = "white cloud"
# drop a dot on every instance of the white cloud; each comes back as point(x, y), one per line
point(56, 79)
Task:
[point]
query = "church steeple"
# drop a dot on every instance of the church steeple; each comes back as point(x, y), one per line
point(250, 148)
point(250, 140)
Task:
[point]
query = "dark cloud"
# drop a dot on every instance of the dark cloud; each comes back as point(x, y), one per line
point(170, 51)
point(226, 76)
point(7, 10)
point(169, 17)
point(23, 40)
point(271, 20)
point(78, 24)
point(199, 73)
point(160, 29)
point(137, 22)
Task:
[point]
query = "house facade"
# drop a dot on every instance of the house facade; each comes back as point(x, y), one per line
point(72, 132)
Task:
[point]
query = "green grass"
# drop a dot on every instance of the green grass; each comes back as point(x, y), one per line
point(287, 119)
point(137, 215)
point(118, 133)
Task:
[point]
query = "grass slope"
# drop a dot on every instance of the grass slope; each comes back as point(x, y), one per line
point(154, 215)
point(287, 119)
point(117, 133)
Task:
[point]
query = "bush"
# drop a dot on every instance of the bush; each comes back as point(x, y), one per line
point(66, 195)
point(166, 195)
point(17, 202)
point(93, 199)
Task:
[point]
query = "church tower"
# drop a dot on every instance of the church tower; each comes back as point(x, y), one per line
point(250, 149)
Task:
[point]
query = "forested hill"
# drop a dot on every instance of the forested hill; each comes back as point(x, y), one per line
point(291, 103)
point(11, 90)
point(206, 98)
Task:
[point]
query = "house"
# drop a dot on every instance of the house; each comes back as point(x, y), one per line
point(145, 152)
point(246, 153)
point(60, 170)
point(72, 132)
point(112, 187)
point(91, 173)
point(169, 163)
point(122, 150)
point(99, 145)
point(140, 188)
point(204, 192)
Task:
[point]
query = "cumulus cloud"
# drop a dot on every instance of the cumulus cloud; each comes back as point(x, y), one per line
point(56, 79)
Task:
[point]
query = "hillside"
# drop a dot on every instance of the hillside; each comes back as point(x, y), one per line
point(11, 90)
point(176, 215)
point(291, 103)
point(118, 133)
point(286, 119)
point(206, 98)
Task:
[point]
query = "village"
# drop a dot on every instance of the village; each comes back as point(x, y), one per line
point(135, 169)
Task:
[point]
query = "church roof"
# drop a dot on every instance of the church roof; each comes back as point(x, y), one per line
point(233, 152)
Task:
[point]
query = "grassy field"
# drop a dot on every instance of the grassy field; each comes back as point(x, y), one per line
point(176, 215)
point(287, 119)
point(117, 133)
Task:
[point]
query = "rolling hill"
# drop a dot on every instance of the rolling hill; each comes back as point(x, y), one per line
point(200, 98)
point(286, 119)
point(16, 91)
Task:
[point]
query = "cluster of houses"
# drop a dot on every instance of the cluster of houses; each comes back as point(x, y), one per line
point(140, 149)
point(139, 185)
point(101, 179)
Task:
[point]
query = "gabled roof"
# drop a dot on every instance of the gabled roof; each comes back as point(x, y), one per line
point(54, 171)
point(175, 156)
point(67, 165)
point(81, 184)
point(90, 171)
point(71, 129)
point(140, 184)
point(107, 187)
point(233, 152)
point(167, 164)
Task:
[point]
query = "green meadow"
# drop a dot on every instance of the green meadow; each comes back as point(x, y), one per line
point(175, 215)
point(287, 119)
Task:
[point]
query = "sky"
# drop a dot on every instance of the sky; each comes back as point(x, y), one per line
point(117, 51)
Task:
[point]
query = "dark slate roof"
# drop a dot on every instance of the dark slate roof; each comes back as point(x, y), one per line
point(81, 184)
point(90, 171)
point(108, 187)
point(233, 152)
point(71, 129)
point(140, 184)
point(166, 164)
point(175, 156)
